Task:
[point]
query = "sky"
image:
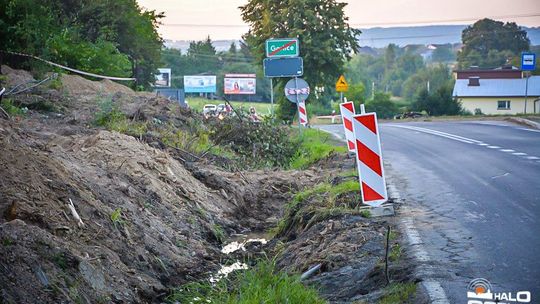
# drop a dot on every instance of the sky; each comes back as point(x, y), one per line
point(221, 19)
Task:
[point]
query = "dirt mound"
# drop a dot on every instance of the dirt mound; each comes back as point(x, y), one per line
point(15, 77)
point(77, 85)
point(147, 223)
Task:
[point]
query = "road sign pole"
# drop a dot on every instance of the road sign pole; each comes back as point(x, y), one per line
point(297, 104)
point(526, 91)
point(272, 98)
point(341, 97)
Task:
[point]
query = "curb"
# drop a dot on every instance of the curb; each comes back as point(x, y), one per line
point(523, 121)
point(431, 288)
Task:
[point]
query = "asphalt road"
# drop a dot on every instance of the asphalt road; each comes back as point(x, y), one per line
point(472, 190)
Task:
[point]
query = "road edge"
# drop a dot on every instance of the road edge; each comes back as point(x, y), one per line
point(432, 288)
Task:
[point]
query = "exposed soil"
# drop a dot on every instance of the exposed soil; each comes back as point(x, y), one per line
point(150, 220)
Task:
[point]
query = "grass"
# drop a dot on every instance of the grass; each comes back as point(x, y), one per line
point(116, 217)
point(261, 284)
point(313, 145)
point(397, 293)
point(218, 233)
point(395, 253)
point(322, 206)
point(197, 104)
point(10, 108)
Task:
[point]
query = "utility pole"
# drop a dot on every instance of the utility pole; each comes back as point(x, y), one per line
point(372, 89)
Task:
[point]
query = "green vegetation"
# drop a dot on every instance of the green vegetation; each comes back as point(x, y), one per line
point(313, 146)
point(202, 57)
point(60, 260)
point(94, 36)
point(395, 252)
point(7, 242)
point(319, 203)
point(489, 43)
point(116, 217)
point(110, 117)
point(398, 293)
point(382, 105)
point(439, 102)
point(11, 108)
point(218, 233)
point(322, 27)
point(261, 284)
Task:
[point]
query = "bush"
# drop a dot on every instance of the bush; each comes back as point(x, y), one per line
point(438, 103)
point(382, 105)
point(12, 109)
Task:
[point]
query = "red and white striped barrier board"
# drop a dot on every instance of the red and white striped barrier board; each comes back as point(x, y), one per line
point(347, 112)
point(302, 113)
point(369, 159)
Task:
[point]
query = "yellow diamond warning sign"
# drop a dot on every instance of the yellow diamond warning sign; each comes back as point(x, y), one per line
point(342, 85)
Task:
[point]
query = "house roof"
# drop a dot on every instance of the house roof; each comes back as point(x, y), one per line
point(497, 88)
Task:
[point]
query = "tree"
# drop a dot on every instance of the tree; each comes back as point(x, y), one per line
point(202, 55)
point(438, 103)
point(101, 36)
point(390, 56)
point(436, 75)
point(443, 53)
point(486, 36)
point(382, 105)
point(326, 39)
point(356, 93)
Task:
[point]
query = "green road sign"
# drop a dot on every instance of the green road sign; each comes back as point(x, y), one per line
point(285, 47)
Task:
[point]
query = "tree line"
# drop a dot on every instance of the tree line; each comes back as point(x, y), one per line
point(115, 38)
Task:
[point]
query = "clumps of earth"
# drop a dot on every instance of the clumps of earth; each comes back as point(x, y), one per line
point(93, 216)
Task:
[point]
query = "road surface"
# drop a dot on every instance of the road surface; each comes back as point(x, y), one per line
point(472, 192)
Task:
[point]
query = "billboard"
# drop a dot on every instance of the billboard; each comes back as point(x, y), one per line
point(239, 85)
point(163, 78)
point(200, 84)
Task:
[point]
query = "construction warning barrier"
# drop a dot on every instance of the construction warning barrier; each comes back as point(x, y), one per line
point(369, 159)
point(347, 113)
point(302, 112)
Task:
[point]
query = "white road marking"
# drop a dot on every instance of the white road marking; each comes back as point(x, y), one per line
point(530, 130)
point(436, 292)
point(433, 288)
point(519, 154)
point(502, 175)
point(441, 134)
point(532, 157)
point(483, 144)
point(493, 147)
point(508, 150)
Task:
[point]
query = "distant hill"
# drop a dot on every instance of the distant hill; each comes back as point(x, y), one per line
point(380, 37)
point(431, 34)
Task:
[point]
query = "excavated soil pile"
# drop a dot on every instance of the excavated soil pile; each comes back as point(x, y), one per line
point(147, 223)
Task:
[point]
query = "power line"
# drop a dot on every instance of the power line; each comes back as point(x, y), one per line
point(448, 20)
point(528, 15)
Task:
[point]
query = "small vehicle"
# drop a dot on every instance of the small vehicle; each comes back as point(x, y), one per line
point(209, 110)
point(220, 108)
point(409, 115)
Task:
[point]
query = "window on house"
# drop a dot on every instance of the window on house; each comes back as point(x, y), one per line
point(503, 105)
